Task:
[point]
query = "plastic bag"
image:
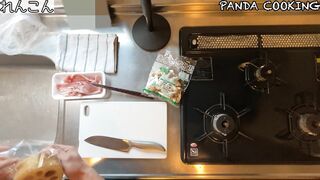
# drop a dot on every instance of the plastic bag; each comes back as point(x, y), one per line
point(22, 148)
point(19, 32)
point(170, 77)
point(34, 164)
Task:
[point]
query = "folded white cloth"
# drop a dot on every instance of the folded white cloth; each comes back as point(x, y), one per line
point(88, 52)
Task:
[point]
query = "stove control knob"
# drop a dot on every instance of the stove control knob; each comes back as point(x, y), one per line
point(194, 152)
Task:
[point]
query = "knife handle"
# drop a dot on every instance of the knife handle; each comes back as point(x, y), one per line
point(146, 145)
point(133, 93)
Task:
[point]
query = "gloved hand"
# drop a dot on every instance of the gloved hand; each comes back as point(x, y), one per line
point(73, 165)
point(6, 166)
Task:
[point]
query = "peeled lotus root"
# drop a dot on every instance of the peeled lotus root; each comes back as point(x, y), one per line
point(31, 168)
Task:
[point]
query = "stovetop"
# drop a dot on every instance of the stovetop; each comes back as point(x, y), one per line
point(250, 105)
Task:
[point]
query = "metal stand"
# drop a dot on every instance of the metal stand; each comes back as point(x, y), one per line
point(151, 31)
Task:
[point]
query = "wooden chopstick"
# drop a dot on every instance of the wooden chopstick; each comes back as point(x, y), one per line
point(133, 93)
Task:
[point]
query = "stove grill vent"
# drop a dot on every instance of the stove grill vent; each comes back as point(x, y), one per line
point(290, 40)
point(227, 42)
point(200, 42)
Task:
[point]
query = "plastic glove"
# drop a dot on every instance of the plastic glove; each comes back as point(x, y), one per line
point(6, 166)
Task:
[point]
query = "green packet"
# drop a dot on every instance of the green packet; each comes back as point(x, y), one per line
point(169, 77)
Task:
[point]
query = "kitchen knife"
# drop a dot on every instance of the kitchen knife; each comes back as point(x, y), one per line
point(123, 145)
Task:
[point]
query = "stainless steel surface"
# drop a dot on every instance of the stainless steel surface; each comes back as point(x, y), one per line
point(134, 67)
point(26, 106)
point(123, 145)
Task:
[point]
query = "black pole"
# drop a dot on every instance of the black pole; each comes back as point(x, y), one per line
point(151, 31)
point(147, 12)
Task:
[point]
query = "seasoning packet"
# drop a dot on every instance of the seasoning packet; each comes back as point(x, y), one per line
point(170, 77)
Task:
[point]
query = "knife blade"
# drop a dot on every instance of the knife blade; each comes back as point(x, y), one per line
point(123, 145)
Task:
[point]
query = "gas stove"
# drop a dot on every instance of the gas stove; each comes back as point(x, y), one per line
point(254, 95)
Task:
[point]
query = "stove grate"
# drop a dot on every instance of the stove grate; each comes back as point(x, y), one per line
point(221, 124)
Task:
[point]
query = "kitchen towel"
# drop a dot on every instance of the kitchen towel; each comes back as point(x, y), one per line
point(88, 52)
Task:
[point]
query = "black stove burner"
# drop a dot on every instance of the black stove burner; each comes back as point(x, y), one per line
point(224, 124)
point(304, 123)
point(309, 124)
point(260, 74)
point(221, 124)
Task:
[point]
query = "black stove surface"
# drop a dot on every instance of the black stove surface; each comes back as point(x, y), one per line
point(233, 118)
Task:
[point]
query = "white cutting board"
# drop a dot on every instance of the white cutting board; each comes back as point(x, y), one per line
point(145, 121)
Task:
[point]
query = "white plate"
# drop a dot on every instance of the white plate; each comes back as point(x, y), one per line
point(59, 77)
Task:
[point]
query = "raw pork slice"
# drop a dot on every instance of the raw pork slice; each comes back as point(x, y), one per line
point(79, 85)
